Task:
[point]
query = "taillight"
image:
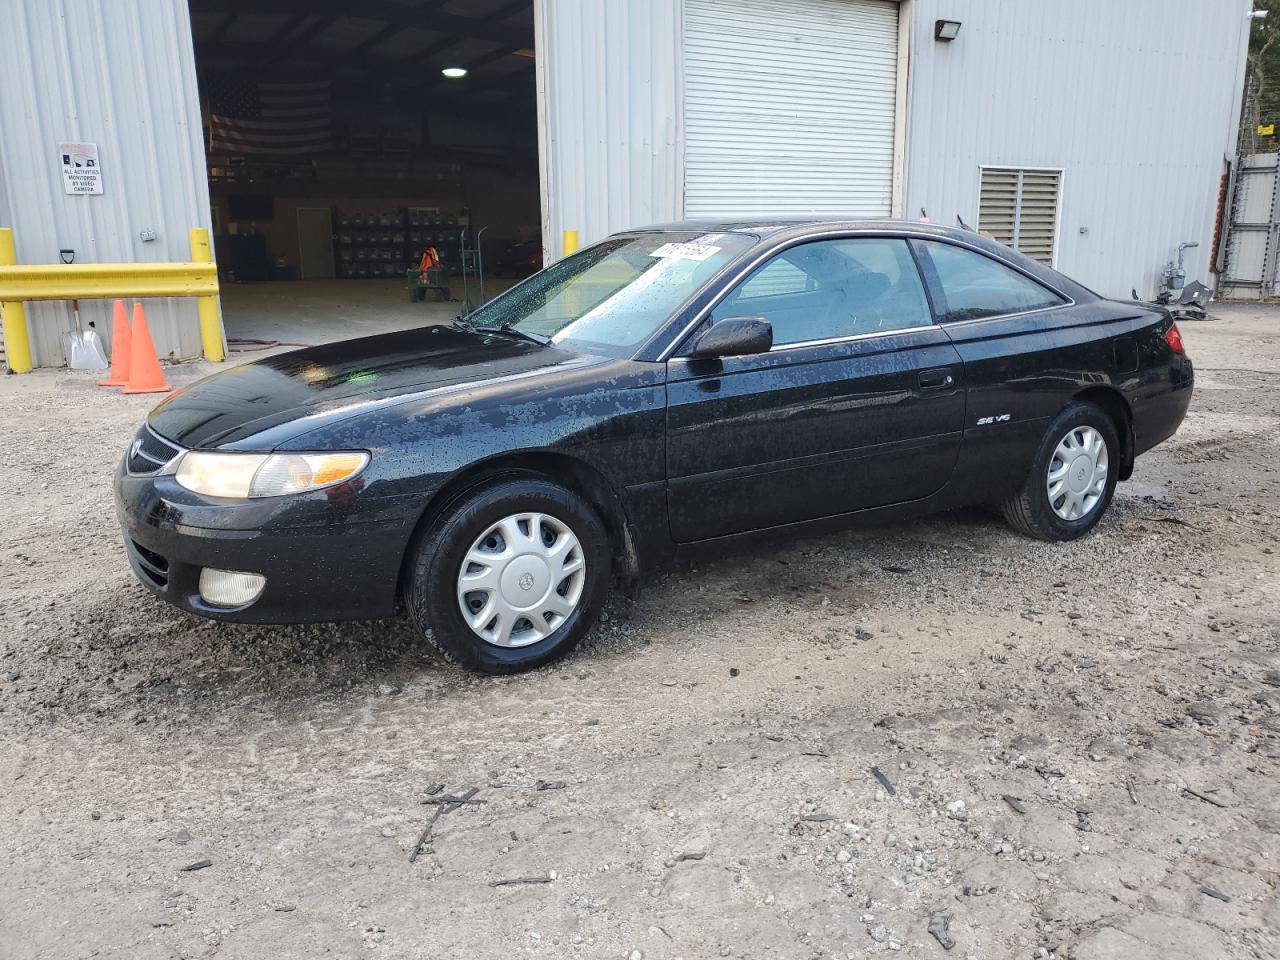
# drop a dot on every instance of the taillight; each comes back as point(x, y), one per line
point(1173, 338)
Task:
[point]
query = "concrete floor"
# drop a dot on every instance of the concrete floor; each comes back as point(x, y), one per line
point(320, 311)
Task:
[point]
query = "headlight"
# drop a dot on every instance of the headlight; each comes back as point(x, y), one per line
point(243, 475)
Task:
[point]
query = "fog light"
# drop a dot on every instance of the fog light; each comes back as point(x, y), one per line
point(227, 588)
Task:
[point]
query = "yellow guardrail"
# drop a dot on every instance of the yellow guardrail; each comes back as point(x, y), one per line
point(20, 282)
point(89, 281)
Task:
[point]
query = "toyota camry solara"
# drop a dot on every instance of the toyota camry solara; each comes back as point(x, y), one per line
point(666, 389)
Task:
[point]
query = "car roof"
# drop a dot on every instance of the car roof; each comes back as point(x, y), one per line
point(783, 230)
point(770, 225)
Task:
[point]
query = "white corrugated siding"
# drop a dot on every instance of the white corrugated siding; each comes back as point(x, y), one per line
point(789, 107)
point(4, 219)
point(609, 89)
point(121, 75)
point(1137, 102)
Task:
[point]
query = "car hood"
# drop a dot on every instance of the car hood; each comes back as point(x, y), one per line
point(347, 376)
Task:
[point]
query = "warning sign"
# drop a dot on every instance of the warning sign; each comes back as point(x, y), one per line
point(80, 171)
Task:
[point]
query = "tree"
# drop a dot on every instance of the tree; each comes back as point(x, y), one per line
point(1262, 80)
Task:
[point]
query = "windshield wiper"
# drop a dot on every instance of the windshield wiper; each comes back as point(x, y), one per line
point(507, 329)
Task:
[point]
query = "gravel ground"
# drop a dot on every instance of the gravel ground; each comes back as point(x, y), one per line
point(869, 744)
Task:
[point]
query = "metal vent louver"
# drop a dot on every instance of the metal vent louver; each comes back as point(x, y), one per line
point(1020, 208)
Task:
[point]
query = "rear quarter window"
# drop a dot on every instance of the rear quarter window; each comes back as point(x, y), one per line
point(968, 285)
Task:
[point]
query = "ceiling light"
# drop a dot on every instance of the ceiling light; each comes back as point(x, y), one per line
point(945, 30)
point(454, 73)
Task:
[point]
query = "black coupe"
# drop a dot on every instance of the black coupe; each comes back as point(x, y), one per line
point(664, 389)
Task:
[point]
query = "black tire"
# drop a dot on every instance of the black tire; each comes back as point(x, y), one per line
point(431, 590)
point(1029, 511)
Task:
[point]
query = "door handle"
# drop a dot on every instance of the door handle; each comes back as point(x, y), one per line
point(937, 378)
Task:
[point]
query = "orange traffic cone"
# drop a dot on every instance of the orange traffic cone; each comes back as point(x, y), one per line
point(145, 375)
point(120, 348)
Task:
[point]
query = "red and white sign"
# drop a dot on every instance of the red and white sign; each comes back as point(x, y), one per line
point(81, 175)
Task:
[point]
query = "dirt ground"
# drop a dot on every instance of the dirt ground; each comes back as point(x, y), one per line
point(1077, 746)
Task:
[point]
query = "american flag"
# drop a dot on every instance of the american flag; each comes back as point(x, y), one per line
point(273, 119)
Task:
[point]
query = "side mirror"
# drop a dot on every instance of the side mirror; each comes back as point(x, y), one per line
point(734, 337)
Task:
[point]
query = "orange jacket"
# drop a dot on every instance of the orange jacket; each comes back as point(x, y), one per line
point(430, 260)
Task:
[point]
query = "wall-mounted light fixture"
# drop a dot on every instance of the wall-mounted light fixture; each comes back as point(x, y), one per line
point(945, 30)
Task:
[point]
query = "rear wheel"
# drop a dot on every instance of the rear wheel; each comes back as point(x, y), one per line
point(1072, 477)
point(511, 577)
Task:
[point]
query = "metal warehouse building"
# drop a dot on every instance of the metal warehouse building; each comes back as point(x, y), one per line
point(320, 143)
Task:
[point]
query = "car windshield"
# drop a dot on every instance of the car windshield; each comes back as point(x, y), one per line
point(612, 296)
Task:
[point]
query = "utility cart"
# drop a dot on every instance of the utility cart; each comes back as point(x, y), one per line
point(433, 278)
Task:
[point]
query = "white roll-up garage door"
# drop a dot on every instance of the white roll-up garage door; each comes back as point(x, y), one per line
point(789, 107)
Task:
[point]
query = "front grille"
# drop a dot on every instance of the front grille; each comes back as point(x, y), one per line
point(151, 564)
point(149, 452)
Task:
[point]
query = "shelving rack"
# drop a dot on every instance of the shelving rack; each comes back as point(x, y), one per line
point(387, 244)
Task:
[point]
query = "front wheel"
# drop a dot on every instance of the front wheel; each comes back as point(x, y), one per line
point(1072, 477)
point(511, 577)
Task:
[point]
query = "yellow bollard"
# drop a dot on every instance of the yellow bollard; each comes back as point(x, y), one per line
point(17, 344)
point(570, 242)
point(210, 319)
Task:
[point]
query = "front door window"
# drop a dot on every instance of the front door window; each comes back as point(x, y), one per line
point(831, 289)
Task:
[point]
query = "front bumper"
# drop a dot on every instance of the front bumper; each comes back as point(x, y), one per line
point(322, 560)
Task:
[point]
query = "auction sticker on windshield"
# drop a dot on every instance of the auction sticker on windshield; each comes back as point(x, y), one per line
point(690, 250)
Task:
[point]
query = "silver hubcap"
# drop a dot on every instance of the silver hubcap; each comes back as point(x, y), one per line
point(1077, 473)
point(521, 579)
